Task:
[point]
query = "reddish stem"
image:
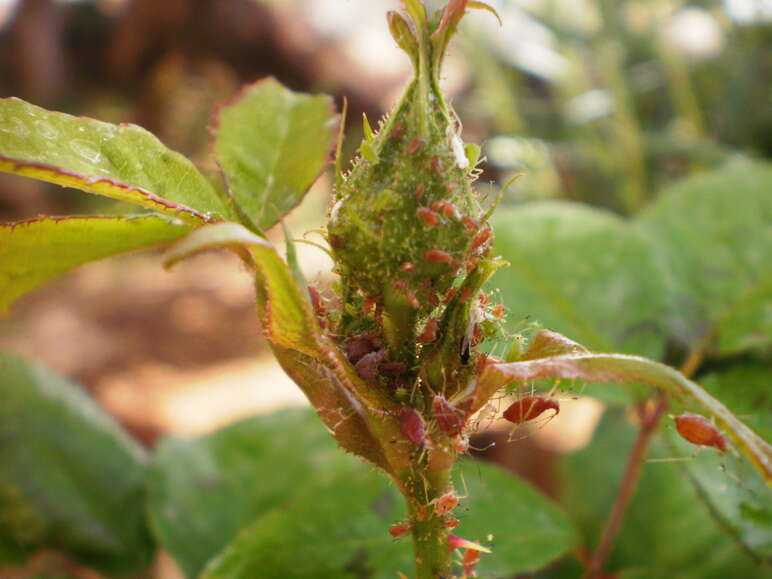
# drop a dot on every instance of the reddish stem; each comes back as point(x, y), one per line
point(649, 420)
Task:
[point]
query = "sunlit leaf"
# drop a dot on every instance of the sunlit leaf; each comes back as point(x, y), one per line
point(70, 478)
point(271, 144)
point(124, 162)
point(34, 251)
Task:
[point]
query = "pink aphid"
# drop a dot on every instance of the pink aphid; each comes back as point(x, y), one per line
point(529, 408)
point(448, 418)
point(430, 332)
point(412, 425)
point(446, 208)
point(470, 561)
point(481, 238)
point(399, 529)
point(445, 504)
point(413, 146)
point(699, 430)
point(429, 217)
point(438, 256)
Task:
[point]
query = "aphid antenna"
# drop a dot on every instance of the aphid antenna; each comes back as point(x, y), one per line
point(314, 244)
point(482, 449)
point(339, 174)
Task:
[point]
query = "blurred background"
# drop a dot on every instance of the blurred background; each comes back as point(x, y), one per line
point(603, 102)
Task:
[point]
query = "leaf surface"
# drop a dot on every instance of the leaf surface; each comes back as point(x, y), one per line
point(70, 478)
point(273, 483)
point(124, 162)
point(714, 234)
point(583, 272)
point(667, 532)
point(34, 251)
point(271, 144)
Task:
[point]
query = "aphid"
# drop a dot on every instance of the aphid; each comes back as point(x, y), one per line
point(399, 529)
point(461, 444)
point(469, 222)
point(391, 369)
point(412, 425)
point(430, 332)
point(483, 237)
point(446, 208)
point(498, 311)
point(316, 302)
point(367, 366)
point(471, 558)
point(413, 146)
point(397, 131)
point(448, 418)
point(465, 294)
point(429, 217)
point(436, 165)
point(367, 306)
point(456, 542)
point(529, 408)
point(419, 191)
point(450, 295)
point(359, 346)
point(445, 504)
point(412, 299)
point(438, 256)
point(451, 523)
point(335, 241)
point(701, 431)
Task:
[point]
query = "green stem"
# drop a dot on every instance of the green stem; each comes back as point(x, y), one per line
point(433, 559)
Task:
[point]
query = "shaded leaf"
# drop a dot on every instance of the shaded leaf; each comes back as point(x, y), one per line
point(583, 272)
point(34, 251)
point(70, 478)
point(713, 232)
point(271, 144)
point(124, 162)
point(283, 474)
point(667, 532)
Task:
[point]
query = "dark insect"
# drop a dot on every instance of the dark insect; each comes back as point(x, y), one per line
point(412, 425)
point(449, 419)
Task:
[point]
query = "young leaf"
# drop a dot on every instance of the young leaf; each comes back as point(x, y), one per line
point(713, 233)
point(124, 162)
point(34, 251)
point(70, 478)
point(271, 144)
point(622, 368)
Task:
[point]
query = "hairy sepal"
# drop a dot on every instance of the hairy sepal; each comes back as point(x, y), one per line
point(357, 415)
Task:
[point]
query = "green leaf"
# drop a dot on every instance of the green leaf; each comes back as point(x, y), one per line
point(666, 532)
point(203, 491)
point(277, 482)
point(622, 368)
point(714, 234)
point(124, 162)
point(583, 272)
point(70, 478)
point(271, 144)
point(34, 251)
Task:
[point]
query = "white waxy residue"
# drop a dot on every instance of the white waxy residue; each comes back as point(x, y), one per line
point(458, 152)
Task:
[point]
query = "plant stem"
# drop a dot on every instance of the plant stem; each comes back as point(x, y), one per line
point(423, 485)
point(649, 421)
